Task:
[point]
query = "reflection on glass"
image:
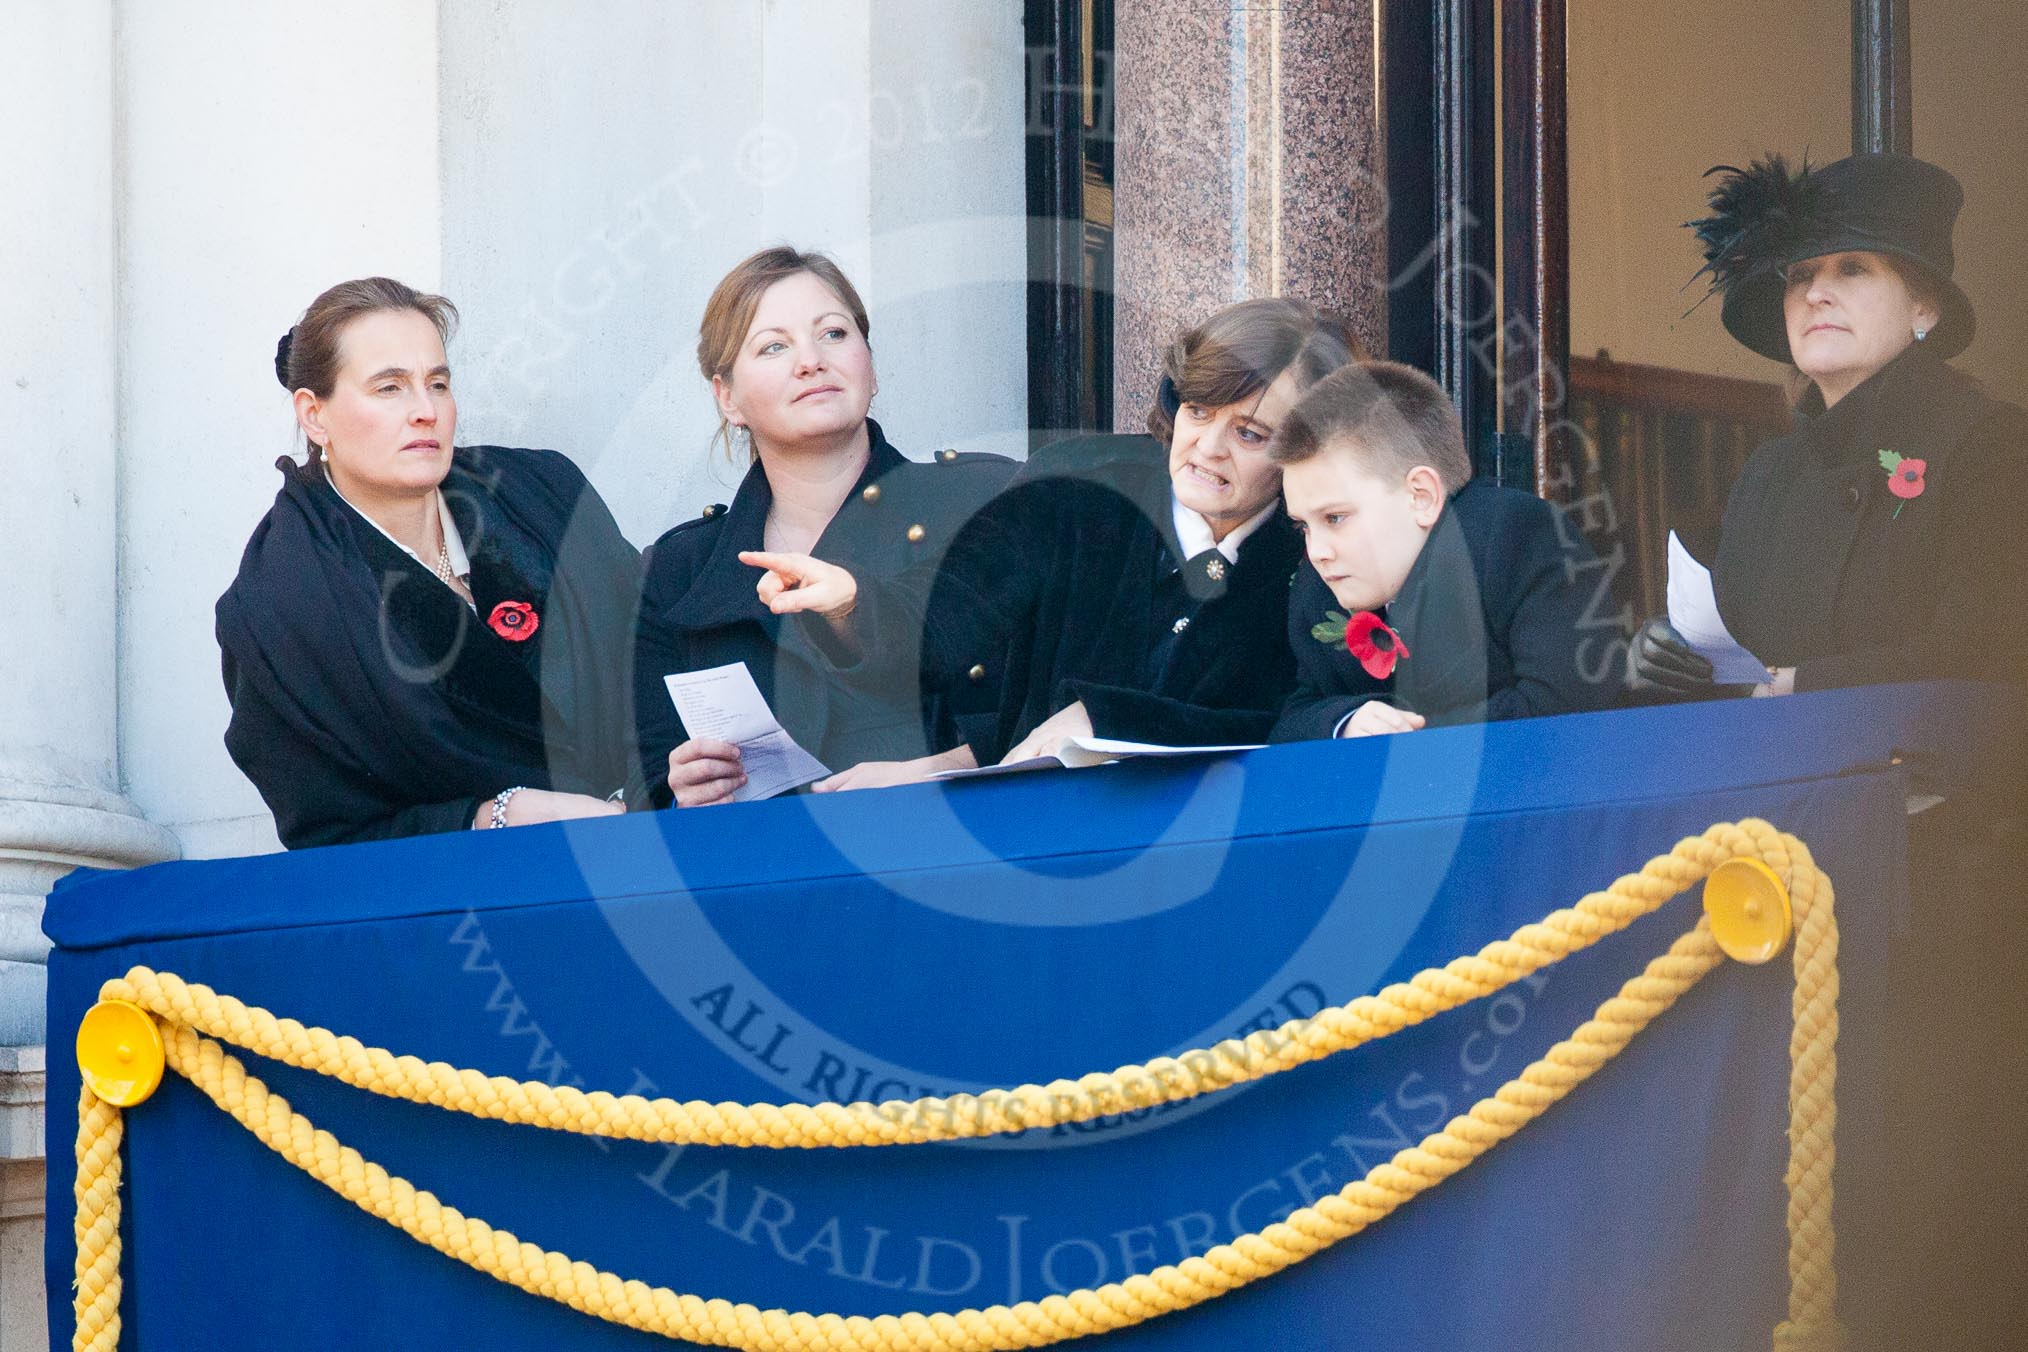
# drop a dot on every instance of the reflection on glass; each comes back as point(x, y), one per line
point(1668, 406)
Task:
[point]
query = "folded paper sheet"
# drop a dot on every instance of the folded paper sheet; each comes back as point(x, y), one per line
point(1076, 753)
point(1693, 609)
point(723, 702)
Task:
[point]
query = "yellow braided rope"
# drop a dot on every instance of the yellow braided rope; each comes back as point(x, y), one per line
point(1026, 1107)
point(1812, 1325)
point(1247, 1259)
point(1081, 1313)
point(100, 1127)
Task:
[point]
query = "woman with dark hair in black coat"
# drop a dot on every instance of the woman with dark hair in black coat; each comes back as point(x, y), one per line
point(784, 344)
point(421, 638)
point(1878, 541)
point(1125, 587)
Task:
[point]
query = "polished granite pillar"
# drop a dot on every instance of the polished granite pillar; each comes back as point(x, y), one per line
point(1248, 164)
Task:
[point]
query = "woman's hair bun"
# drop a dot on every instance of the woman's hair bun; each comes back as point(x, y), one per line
point(282, 359)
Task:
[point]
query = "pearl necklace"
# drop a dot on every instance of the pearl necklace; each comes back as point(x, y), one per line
point(444, 562)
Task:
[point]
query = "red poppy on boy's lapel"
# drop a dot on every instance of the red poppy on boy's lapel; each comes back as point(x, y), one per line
point(1376, 647)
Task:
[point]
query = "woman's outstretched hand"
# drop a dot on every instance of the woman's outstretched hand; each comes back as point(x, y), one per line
point(1376, 718)
point(791, 583)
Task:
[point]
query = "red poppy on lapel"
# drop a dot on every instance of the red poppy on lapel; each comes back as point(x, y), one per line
point(1904, 476)
point(515, 621)
point(1376, 646)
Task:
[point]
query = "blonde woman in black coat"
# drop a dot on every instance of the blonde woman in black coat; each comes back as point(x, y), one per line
point(784, 342)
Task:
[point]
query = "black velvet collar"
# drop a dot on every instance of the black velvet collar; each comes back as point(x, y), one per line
point(1914, 402)
point(1442, 542)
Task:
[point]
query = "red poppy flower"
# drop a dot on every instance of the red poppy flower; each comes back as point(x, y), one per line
point(1905, 479)
point(1376, 647)
point(515, 621)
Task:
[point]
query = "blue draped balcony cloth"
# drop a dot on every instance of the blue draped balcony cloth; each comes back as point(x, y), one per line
point(934, 939)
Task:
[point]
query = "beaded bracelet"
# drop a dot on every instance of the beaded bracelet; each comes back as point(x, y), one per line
point(500, 802)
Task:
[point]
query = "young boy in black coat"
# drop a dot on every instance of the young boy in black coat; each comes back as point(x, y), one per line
point(1429, 597)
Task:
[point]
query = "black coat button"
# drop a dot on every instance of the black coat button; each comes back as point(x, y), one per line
point(1852, 498)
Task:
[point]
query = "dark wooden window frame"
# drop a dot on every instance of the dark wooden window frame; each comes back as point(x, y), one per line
point(1067, 318)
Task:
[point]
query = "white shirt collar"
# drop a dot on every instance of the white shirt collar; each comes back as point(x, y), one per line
point(1193, 532)
point(454, 543)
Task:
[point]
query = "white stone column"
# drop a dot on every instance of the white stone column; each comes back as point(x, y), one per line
point(60, 805)
point(59, 785)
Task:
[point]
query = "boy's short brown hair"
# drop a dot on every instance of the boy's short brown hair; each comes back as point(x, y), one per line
point(1393, 417)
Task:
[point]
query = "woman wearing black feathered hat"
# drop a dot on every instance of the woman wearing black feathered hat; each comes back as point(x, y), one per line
point(421, 638)
point(1878, 541)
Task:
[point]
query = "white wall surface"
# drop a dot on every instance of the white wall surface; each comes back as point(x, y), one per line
point(600, 177)
point(59, 775)
point(589, 205)
point(57, 325)
point(946, 117)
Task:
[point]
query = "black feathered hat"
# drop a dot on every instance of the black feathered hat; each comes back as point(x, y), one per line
point(1764, 218)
